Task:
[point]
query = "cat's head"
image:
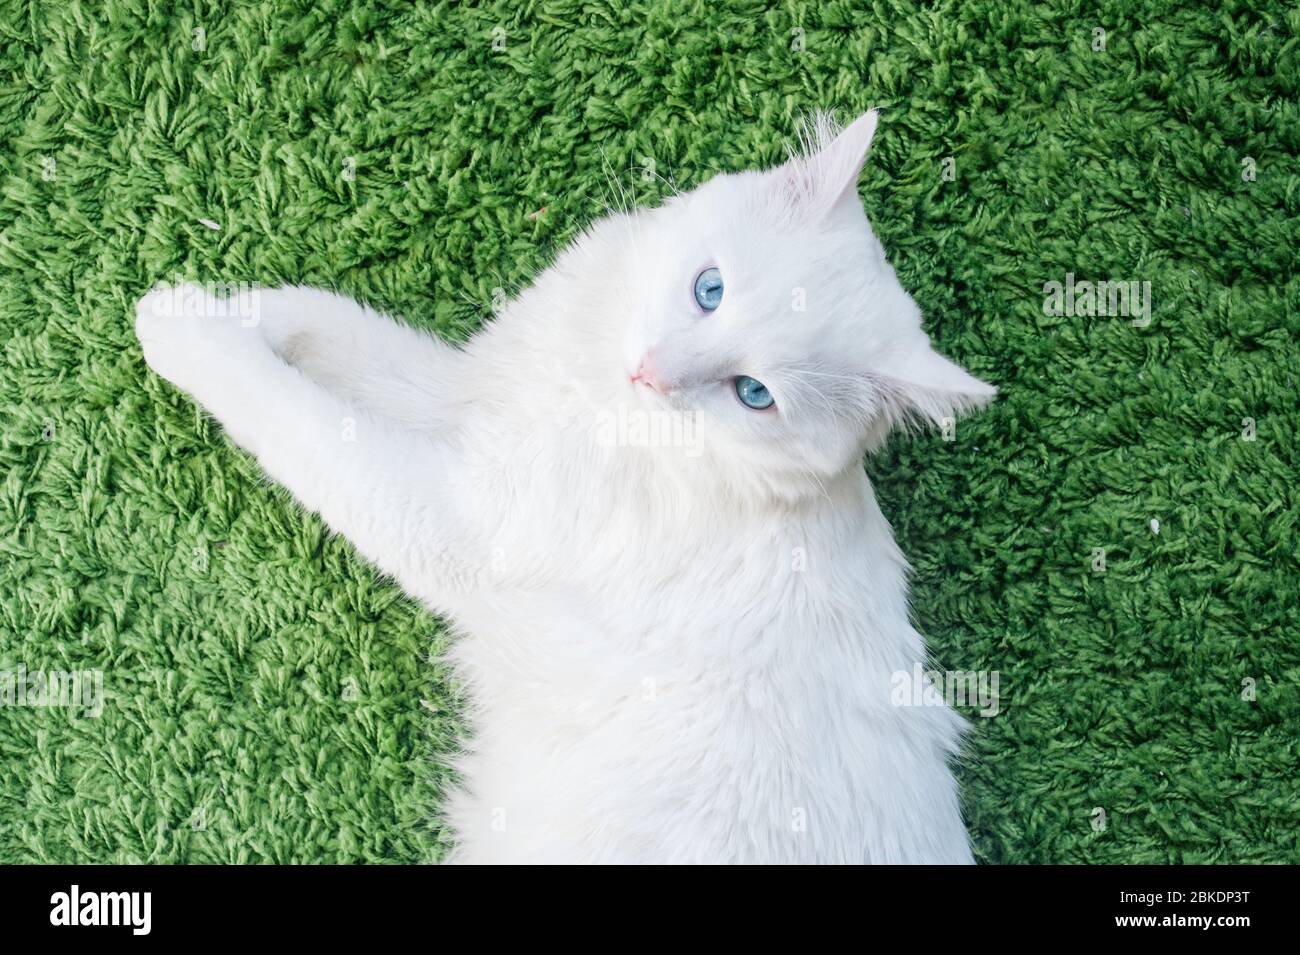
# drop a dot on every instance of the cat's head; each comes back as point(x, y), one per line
point(761, 303)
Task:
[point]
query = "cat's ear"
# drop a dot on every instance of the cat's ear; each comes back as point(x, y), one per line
point(922, 381)
point(827, 168)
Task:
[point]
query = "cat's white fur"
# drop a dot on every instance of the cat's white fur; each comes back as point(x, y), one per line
point(673, 653)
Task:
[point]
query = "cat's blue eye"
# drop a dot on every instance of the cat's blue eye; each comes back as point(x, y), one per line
point(753, 394)
point(708, 289)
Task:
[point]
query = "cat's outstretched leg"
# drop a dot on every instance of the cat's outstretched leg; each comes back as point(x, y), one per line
point(400, 496)
point(363, 357)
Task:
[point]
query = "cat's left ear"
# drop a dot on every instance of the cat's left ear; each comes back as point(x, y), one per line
point(924, 382)
point(829, 168)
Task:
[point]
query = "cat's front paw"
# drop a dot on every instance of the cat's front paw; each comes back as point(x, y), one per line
point(188, 334)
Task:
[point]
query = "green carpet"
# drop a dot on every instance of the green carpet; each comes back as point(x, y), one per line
point(267, 698)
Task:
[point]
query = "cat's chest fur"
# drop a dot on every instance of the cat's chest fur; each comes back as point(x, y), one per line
point(680, 683)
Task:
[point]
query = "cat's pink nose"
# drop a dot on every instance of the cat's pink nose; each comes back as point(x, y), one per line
point(649, 376)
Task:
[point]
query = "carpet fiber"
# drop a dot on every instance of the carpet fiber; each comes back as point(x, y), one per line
point(268, 698)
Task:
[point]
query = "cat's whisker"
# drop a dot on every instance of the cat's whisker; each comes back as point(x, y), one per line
point(670, 184)
point(826, 403)
point(625, 207)
point(826, 374)
point(602, 204)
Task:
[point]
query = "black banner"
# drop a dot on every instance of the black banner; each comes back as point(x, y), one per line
point(333, 905)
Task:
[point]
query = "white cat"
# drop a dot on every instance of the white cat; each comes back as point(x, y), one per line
point(638, 494)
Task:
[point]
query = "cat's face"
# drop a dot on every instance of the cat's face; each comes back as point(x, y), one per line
point(762, 304)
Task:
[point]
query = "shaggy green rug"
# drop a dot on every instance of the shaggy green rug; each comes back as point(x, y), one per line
point(1116, 537)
